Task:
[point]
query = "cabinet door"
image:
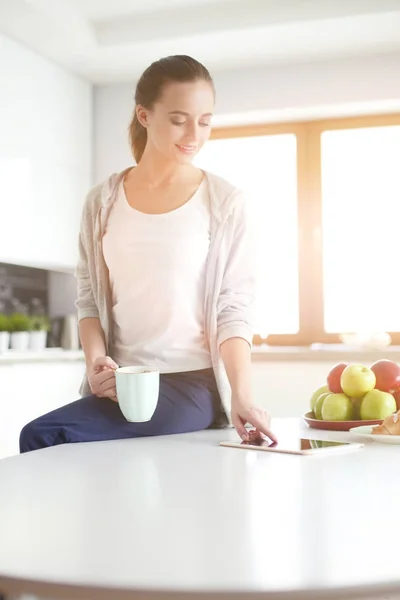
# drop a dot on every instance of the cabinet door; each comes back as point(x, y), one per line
point(59, 200)
point(30, 390)
point(46, 122)
point(41, 210)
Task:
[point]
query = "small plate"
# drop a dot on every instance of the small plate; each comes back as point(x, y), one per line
point(365, 431)
point(336, 425)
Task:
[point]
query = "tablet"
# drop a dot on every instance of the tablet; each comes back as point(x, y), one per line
point(292, 445)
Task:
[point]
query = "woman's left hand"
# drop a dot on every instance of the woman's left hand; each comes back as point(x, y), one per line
point(243, 413)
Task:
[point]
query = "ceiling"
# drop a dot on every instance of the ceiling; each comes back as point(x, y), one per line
point(115, 40)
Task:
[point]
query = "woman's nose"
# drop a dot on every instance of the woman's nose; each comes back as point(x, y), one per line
point(191, 132)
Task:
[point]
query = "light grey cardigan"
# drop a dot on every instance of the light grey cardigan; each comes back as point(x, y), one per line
point(230, 282)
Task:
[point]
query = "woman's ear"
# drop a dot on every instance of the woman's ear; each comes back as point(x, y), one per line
point(142, 115)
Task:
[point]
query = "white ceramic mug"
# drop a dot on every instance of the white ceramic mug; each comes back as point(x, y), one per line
point(137, 391)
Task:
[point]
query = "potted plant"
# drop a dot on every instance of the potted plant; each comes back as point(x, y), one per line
point(4, 333)
point(20, 325)
point(40, 325)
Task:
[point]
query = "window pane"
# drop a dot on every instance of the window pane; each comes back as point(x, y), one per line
point(265, 168)
point(361, 223)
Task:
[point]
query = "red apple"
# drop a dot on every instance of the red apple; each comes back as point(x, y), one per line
point(397, 398)
point(387, 375)
point(333, 379)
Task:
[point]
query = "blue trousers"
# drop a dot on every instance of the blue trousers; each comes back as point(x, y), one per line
point(187, 402)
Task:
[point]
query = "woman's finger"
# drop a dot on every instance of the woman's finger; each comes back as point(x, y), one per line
point(104, 361)
point(106, 390)
point(111, 393)
point(238, 424)
point(103, 377)
point(260, 422)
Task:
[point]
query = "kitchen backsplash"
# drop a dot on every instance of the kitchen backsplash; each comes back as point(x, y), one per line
point(22, 287)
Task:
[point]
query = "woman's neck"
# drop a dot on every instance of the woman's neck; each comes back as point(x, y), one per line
point(155, 170)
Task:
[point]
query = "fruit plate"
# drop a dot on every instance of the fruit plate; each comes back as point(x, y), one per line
point(365, 431)
point(336, 425)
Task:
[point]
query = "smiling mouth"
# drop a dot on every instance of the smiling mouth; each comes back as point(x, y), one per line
point(187, 149)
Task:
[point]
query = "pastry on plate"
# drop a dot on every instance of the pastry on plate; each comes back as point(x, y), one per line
point(389, 426)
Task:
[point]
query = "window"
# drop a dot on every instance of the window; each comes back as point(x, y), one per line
point(360, 229)
point(325, 197)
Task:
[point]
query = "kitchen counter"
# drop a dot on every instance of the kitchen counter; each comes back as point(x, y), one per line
point(12, 357)
point(324, 352)
point(315, 353)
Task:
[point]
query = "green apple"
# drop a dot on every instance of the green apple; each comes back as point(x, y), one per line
point(337, 407)
point(356, 402)
point(313, 400)
point(357, 380)
point(377, 405)
point(319, 404)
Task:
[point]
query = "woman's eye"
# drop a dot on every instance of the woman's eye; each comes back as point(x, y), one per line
point(181, 123)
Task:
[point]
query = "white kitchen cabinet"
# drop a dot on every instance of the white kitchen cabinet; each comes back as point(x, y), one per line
point(45, 158)
point(31, 389)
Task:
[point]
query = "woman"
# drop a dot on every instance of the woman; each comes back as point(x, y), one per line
point(164, 278)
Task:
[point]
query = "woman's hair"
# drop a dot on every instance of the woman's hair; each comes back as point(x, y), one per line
point(179, 68)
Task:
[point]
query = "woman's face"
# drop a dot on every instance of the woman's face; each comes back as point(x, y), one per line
point(180, 121)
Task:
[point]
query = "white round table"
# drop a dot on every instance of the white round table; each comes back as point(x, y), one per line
point(179, 517)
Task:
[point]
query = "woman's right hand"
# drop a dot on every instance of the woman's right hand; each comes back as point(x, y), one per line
point(101, 378)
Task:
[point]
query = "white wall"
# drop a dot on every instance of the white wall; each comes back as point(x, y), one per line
point(46, 119)
point(113, 107)
point(284, 388)
point(310, 90)
point(346, 87)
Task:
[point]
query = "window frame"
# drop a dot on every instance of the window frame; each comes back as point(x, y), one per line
point(309, 205)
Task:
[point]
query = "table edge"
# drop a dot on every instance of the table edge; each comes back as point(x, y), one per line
point(10, 586)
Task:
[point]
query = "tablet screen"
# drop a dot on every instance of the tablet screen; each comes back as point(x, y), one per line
point(294, 444)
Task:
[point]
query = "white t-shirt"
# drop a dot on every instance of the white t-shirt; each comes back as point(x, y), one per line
point(157, 266)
